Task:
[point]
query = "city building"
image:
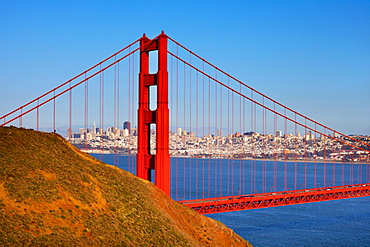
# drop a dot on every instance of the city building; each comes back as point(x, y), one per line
point(279, 133)
point(127, 125)
point(219, 132)
point(179, 131)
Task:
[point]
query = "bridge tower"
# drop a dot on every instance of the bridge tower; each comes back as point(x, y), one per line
point(160, 162)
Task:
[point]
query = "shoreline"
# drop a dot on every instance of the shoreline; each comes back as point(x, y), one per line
point(321, 161)
point(292, 161)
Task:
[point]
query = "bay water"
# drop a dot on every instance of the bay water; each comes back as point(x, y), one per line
point(333, 223)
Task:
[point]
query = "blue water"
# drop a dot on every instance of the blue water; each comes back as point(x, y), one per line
point(334, 223)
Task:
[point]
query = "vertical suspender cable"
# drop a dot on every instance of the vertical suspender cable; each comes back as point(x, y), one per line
point(305, 154)
point(114, 129)
point(221, 140)
point(86, 111)
point(253, 124)
point(54, 113)
point(184, 126)
point(101, 112)
point(315, 163)
point(197, 135)
point(276, 152)
point(177, 122)
point(285, 152)
point(190, 130)
point(128, 114)
point(203, 117)
point(359, 173)
point(263, 147)
point(115, 111)
point(20, 119)
point(265, 143)
point(251, 147)
point(70, 112)
point(295, 151)
point(342, 173)
point(37, 116)
point(333, 178)
point(216, 140)
point(170, 84)
point(351, 181)
point(132, 106)
point(324, 164)
point(232, 135)
point(209, 133)
point(254, 145)
point(228, 137)
point(118, 96)
point(241, 173)
point(118, 106)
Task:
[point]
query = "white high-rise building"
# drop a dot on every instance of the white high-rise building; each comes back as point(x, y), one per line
point(179, 131)
point(219, 132)
point(279, 133)
point(125, 132)
point(94, 129)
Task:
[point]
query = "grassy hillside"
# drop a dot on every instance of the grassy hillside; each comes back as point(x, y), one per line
point(51, 194)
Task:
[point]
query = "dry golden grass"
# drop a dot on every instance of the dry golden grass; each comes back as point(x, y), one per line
point(51, 194)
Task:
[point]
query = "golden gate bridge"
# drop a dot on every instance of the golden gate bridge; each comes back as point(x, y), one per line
point(202, 136)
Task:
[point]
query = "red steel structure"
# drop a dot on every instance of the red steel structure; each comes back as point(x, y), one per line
point(208, 97)
point(159, 162)
point(281, 198)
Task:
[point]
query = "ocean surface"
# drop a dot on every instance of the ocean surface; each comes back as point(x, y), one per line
point(334, 223)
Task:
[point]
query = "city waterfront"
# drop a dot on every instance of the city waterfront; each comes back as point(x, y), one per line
point(333, 223)
point(248, 145)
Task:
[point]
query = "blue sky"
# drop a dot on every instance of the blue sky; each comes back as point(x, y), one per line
point(313, 56)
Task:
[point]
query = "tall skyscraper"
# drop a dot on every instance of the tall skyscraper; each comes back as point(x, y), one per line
point(127, 125)
point(94, 129)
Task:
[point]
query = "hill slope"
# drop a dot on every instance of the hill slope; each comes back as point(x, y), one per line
point(53, 194)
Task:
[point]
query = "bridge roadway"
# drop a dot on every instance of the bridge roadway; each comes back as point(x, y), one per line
point(275, 199)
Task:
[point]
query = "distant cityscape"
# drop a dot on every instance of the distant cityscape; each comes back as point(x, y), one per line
point(249, 145)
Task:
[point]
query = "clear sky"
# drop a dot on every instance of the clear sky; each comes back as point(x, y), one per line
point(313, 56)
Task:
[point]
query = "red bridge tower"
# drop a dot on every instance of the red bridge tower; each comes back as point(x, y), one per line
point(160, 162)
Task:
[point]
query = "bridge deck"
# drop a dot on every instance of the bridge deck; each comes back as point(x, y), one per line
point(281, 198)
